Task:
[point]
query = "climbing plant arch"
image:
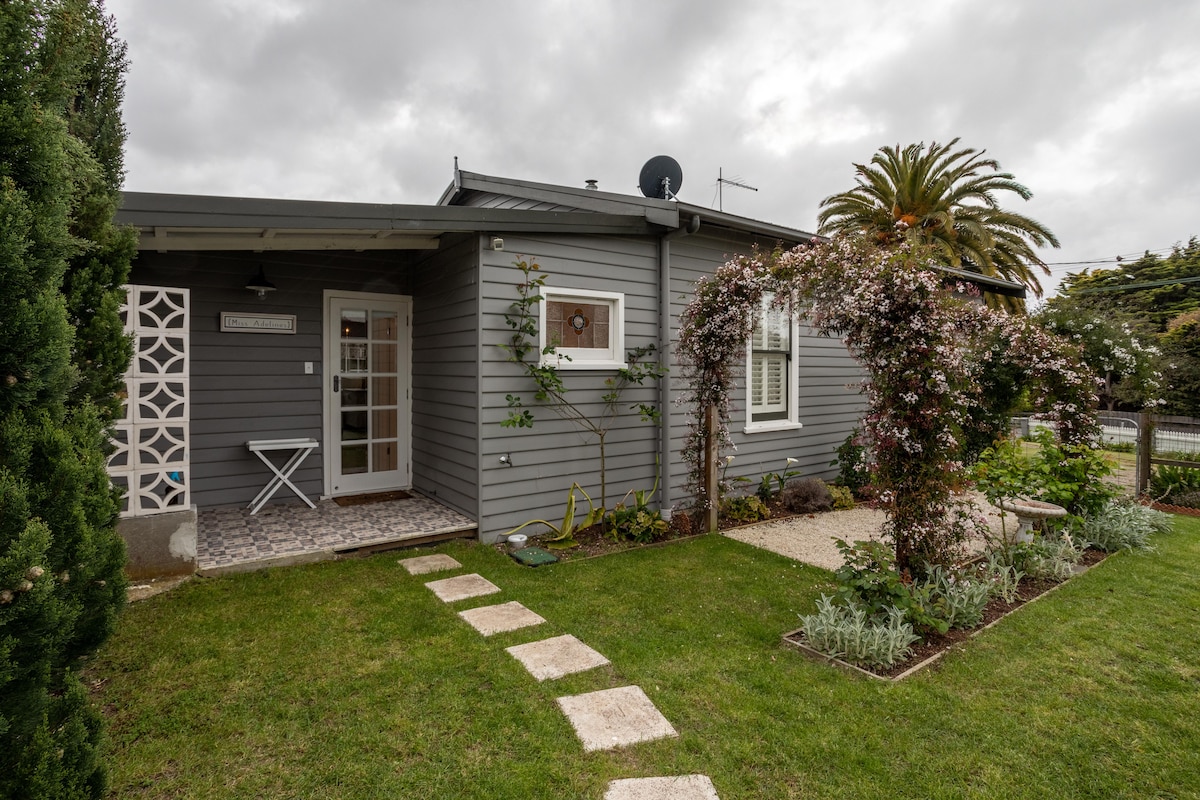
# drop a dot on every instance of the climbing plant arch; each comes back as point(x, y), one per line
point(923, 349)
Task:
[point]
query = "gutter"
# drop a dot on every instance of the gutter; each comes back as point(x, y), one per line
point(664, 349)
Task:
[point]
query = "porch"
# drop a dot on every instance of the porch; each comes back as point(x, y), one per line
point(231, 539)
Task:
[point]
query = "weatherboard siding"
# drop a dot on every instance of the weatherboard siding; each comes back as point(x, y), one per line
point(445, 412)
point(247, 386)
point(828, 400)
point(548, 457)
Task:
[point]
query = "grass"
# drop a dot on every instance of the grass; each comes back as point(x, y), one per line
point(351, 680)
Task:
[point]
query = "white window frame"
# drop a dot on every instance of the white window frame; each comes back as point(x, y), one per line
point(789, 409)
point(585, 357)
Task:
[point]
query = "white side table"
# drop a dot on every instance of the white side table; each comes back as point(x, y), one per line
point(282, 475)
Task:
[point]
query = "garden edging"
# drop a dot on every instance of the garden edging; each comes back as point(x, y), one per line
point(932, 659)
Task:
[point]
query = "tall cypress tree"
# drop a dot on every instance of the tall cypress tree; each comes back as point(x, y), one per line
point(61, 581)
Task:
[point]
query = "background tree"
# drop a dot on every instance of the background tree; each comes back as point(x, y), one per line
point(1147, 293)
point(1181, 361)
point(1157, 299)
point(61, 561)
point(945, 199)
point(1127, 364)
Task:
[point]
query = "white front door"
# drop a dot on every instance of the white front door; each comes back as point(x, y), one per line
point(366, 376)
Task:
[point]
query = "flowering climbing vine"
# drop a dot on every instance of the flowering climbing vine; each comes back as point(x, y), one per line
point(923, 350)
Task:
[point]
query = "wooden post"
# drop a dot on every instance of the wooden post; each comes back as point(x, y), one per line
point(712, 490)
point(1145, 448)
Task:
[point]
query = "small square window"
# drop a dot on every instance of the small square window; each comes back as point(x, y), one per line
point(586, 328)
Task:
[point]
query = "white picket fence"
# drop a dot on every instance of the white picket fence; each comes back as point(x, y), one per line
point(1119, 430)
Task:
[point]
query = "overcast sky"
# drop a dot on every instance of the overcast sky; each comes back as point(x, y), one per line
point(1092, 104)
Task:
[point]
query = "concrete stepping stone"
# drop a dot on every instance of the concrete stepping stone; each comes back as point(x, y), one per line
point(679, 787)
point(462, 587)
point(614, 718)
point(553, 658)
point(423, 564)
point(490, 620)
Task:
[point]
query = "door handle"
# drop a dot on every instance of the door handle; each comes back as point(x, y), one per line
point(337, 383)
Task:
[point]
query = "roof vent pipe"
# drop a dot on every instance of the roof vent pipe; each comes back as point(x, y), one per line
point(592, 184)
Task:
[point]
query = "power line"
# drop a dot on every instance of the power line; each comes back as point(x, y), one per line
point(1144, 285)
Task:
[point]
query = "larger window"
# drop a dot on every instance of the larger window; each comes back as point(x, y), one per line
point(585, 327)
point(771, 380)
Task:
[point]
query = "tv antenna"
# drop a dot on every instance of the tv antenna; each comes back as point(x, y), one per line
point(721, 181)
point(661, 178)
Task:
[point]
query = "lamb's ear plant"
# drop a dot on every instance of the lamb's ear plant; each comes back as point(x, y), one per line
point(956, 597)
point(1123, 526)
point(850, 633)
point(1002, 577)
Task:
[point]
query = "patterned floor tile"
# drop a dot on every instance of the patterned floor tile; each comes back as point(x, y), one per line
point(227, 537)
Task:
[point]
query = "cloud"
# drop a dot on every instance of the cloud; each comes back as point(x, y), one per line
point(1091, 103)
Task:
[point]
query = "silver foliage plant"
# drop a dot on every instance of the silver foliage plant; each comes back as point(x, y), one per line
point(1002, 578)
point(957, 599)
point(1124, 526)
point(848, 632)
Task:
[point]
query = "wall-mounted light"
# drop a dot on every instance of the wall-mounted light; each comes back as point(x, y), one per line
point(259, 284)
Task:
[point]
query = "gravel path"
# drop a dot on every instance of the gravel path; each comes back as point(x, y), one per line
point(810, 538)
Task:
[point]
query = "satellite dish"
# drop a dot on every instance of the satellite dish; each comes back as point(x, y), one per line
point(661, 177)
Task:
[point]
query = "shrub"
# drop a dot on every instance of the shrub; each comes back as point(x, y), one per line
point(869, 578)
point(806, 496)
point(843, 498)
point(850, 633)
point(641, 525)
point(746, 509)
point(1170, 483)
point(1068, 475)
point(853, 459)
point(1124, 526)
point(1187, 499)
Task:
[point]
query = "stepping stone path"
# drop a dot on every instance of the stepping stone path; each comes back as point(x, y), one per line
point(553, 658)
point(490, 620)
point(449, 590)
point(603, 720)
point(423, 564)
point(615, 718)
point(680, 787)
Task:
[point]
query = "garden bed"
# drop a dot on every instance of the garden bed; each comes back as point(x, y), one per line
point(1187, 511)
point(933, 646)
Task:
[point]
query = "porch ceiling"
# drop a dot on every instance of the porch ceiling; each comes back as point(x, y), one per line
point(166, 238)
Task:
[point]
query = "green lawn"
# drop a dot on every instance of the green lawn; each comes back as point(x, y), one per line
point(351, 680)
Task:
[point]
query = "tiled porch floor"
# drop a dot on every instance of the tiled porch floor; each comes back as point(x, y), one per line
point(232, 538)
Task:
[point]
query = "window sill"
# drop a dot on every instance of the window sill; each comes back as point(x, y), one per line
point(772, 427)
point(576, 365)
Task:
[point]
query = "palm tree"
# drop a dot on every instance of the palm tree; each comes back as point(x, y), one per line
point(945, 198)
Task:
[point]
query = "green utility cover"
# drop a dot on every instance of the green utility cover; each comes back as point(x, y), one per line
point(534, 556)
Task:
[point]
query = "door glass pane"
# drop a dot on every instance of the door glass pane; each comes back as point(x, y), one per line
point(354, 323)
point(385, 391)
point(384, 357)
point(354, 357)
point(354, 425)
point(354, 459)
point(385, 456)
point(383, 325)
point(354, 392)
point(385, 423)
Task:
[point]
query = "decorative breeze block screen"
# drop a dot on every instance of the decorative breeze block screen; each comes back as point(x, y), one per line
point(150, 461)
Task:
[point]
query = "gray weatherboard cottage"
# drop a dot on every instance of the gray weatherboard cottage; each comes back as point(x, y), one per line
point(444, 276)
